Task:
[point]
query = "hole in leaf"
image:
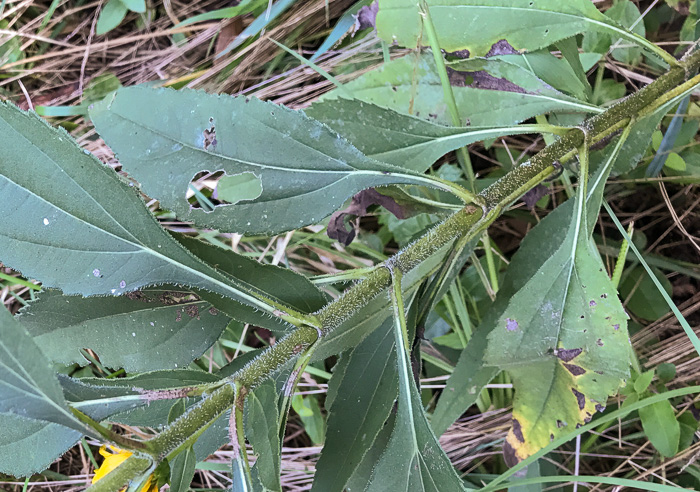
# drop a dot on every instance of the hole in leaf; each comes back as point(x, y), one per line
point(209, 136)
point(209, 190)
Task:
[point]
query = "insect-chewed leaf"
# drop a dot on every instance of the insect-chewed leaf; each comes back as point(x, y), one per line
point(475, 25)
point(411, 84)
point(563, 338)
point(306, 170)
point(472, 373)
point(72, 223)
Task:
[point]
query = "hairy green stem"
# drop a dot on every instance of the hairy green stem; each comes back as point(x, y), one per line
point(465, 224)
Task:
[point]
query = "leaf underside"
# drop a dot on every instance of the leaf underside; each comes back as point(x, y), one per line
point(306, 170)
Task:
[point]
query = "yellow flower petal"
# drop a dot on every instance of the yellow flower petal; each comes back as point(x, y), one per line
point(111, 461)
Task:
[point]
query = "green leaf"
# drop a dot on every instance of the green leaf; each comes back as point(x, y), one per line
point(476, 25)
point(157, 328)
point(135, 5)
point(364, 386)
point(688, 427)
point(666, 372)
point(233, 189)
point(400, 139)
point(363, 473)
point(132, 400)
point(413, 459)
point(111, 16)
point(306, 170)
point(554, 71)
point(182, 470)
point(645, 301)
point(74, 224)
point(281, 284)
point(624, 13)
point(563, 339)
point(239, 476)
point(471, 374)
point(569, 52)
point(675, 162)
point(311, 418)
point(642, 382)
point(661, 427)
point(28, 385)
point(29, 446)
point(532, 471)
point(262, 429)
point(411, 85)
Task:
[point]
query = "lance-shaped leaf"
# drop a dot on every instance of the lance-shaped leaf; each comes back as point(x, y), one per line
point(156, 328)
point(72, 223)
point(282, 284)
point(411, 85)
point(306, 170)
point(476, 25)
point(182, 470)
point(563, 338)
point(262, 429)
point(28, 385)
point(102, 398)
point(363, 390)
point(29, 446)
point(413, 459)
point(401, 139)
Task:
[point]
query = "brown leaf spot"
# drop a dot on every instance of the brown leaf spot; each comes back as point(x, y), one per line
point(592, 304)
point(599, 342)
point(616, 327)
point(580, 398)
point(518, 430)
point(137, 295)
point(574, 369)
point(511, 324)
point(366, 17)
point(501, 47)
point(561, 424)
point(358, 208)
point(568, 355)
point(600, 407)
point(509, 455)
point(533, 196)
point(169, 394)
point(192, 311)
point(213, 311)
